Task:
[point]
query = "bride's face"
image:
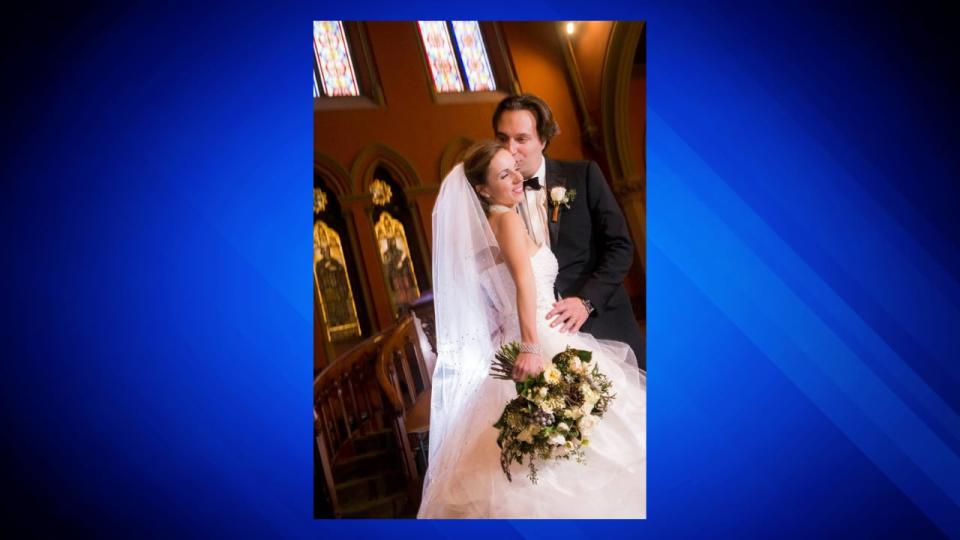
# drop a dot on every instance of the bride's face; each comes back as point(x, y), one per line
point(504, 182)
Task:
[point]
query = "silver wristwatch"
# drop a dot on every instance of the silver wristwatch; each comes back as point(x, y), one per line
point(589, 305)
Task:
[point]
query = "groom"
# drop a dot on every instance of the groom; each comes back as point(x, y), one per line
point(581, 222)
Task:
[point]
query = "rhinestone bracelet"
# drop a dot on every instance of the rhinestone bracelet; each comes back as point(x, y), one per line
point(530, 348)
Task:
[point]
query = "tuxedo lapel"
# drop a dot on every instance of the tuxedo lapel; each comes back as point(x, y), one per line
point(555, 178)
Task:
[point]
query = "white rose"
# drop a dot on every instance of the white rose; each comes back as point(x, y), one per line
point(557, 440)
point(558, 193)
point(552, 375)
point(588, 422)
point(562, 426)
point(586, 408)
point(576, 366)
point(589, 395)
point(542, 391)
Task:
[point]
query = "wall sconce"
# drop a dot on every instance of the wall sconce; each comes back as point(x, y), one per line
point(381, 192)
point(319, 200)
point(570, 28)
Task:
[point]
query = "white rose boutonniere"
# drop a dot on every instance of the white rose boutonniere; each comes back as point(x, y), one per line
point(560, 196)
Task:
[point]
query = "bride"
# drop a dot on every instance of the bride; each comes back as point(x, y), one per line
point(494, 285)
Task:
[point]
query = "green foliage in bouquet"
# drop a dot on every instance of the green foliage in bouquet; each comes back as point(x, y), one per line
point(553, 412)
point(504, 360)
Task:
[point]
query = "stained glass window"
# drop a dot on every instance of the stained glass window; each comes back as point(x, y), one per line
point(454, 60)
point(395, 259)
point(473, 56)
point(333, 285)
point(333, 58)
point(440, 55)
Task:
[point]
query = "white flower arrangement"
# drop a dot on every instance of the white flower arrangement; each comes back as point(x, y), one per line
point(553, 412)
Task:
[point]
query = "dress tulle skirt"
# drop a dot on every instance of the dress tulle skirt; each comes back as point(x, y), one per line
point(611, 484)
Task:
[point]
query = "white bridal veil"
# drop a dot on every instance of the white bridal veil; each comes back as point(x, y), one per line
point(472, 300)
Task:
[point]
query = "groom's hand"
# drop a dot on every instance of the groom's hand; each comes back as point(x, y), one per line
point(569, 312)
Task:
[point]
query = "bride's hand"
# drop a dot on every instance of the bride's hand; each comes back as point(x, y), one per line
point(527, 365)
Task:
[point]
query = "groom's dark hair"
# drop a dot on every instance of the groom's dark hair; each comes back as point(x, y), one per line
point(547, 127)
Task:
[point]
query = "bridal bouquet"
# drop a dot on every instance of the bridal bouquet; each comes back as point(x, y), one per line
point(553, 412)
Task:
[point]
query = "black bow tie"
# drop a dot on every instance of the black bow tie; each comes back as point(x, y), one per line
point(532, 183)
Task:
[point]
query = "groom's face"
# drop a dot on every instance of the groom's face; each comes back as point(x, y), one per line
point(517, 131)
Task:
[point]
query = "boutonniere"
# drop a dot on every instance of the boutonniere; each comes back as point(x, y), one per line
point(560, 196)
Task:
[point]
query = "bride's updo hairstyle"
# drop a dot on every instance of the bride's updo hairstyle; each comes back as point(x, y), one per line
point(476, 161)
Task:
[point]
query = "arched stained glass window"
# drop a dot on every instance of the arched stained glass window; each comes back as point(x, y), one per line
point(395, 259)
point(336, 67)
point(473, 56)
point(440, 56)
point(333, 284)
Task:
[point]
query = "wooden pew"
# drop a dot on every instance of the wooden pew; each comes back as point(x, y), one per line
point(405, 382)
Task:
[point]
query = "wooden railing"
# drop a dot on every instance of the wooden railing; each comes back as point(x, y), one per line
point(380, 386)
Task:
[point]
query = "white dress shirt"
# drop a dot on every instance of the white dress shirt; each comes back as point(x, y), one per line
point(536, 204)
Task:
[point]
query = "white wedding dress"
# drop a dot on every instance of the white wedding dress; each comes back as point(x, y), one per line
point(611, 484)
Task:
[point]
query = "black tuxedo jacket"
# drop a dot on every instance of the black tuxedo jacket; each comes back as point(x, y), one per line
point(593, 247)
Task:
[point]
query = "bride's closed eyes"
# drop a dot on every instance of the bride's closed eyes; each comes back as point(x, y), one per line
point(506, 172)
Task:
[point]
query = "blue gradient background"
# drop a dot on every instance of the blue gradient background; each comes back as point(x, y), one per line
point(804, 306)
